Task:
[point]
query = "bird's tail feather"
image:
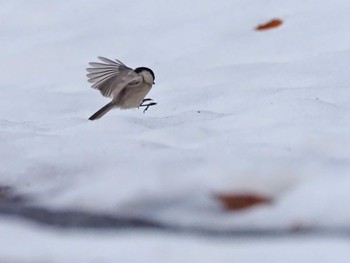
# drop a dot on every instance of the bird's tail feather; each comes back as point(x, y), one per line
point(98, 114)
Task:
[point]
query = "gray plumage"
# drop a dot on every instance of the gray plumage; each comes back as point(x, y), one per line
point(126, 87)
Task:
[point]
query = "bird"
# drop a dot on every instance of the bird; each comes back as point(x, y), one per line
point(126, 86)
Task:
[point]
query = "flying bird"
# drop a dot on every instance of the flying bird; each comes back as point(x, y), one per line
point(126, 87)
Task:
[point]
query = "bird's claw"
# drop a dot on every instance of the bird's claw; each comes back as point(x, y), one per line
point(147, 99)
point(148, 105)
point(143, 101)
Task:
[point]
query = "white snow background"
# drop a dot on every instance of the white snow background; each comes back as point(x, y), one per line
point(238, 111)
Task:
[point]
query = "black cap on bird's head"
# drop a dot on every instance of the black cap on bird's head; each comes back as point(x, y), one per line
point(139, 69)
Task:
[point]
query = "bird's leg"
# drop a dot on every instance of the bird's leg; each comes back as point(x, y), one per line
point(147, 105)
point(144, 100)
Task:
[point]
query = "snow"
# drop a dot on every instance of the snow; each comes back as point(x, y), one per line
point(238, 111)
point(49, 245)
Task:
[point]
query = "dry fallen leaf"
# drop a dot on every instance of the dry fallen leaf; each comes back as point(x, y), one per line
point(234, 201)
point(270, 24)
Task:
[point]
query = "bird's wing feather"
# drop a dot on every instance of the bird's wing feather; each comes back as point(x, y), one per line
point(111, 76)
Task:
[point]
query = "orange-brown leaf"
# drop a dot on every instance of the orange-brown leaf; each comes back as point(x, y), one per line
point(270, 24)
point(234, 201)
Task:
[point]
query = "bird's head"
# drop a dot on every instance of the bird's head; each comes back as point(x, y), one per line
point(147, 74)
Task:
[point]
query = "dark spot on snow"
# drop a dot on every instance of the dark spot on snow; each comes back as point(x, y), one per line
point(7, 195)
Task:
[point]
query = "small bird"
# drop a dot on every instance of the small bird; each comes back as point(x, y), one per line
point(126, 86)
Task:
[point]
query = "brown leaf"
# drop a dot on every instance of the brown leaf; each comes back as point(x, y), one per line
point(270, 24)
point(234, 201)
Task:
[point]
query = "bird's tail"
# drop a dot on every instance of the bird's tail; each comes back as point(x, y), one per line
point(98, 114)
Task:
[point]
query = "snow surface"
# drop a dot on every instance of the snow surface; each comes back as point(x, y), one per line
point(238, 111)
point(31, 244)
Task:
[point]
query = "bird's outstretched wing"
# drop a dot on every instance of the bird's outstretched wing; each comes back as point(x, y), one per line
point(111, 76)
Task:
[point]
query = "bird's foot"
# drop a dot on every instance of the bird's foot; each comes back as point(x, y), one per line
point(147, 105)
point(144, 100)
